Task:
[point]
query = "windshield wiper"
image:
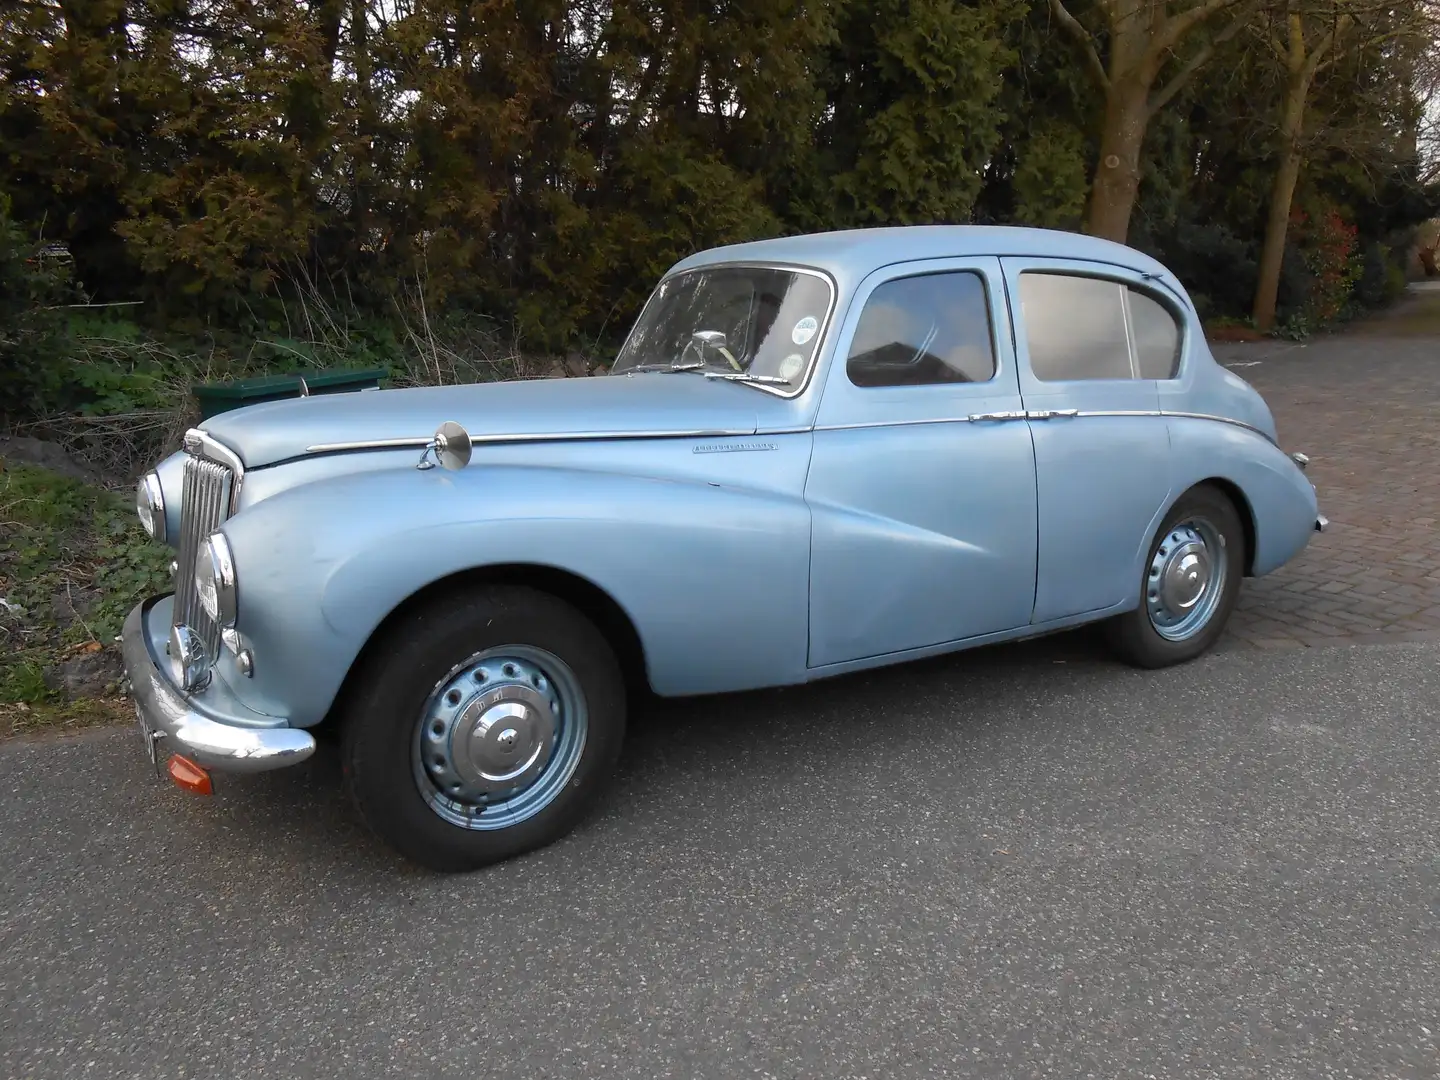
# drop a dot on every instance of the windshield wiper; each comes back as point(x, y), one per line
point(745, 376)
point(697, 366)
point(733, 376)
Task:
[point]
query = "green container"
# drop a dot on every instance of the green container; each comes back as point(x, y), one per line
point(217, 398)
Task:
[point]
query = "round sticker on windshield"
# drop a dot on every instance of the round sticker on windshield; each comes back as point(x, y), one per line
point(791, 366)
point(804, 330)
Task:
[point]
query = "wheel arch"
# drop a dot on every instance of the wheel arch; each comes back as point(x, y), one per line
point(613, 621)
point(1243, 510)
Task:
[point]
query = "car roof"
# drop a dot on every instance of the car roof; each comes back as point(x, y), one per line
point(850, 254)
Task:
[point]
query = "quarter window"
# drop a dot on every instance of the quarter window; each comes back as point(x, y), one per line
point(927, 329)
point(1089, 328)
point(1157, 337)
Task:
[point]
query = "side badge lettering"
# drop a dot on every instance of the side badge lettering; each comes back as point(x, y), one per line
point(731, 448)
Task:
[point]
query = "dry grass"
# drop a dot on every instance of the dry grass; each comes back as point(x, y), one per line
point(19, 718)
point(143, 420)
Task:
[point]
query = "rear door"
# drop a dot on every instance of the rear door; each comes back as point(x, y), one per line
point(1092, 348)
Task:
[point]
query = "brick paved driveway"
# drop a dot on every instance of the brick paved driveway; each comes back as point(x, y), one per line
point(1366, 407)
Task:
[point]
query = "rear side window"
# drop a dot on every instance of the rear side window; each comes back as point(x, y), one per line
point(926, 329)
point(1090, 328)
point(1157, 337)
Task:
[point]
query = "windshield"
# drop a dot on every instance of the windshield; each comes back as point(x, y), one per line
point(750, 323)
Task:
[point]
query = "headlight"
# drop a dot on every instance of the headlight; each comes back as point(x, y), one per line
point(215, 579)
point(150, 506)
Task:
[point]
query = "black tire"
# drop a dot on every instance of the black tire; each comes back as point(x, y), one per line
point(387, 702)
point(1133, 635)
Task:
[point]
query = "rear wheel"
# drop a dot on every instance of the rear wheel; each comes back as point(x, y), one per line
point(1189, 584)
point(489, 727)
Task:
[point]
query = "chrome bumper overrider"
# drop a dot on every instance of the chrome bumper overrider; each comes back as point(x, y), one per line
point(177, 728)
point(1303, 461)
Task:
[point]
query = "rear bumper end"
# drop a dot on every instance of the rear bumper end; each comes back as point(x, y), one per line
point(1303, 462)
point(225, 737)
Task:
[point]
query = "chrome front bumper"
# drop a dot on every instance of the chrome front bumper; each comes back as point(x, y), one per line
point(175, 726)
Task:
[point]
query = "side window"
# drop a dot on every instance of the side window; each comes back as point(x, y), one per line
point(1157, 337)
point(931, 328)
point(1075, 327)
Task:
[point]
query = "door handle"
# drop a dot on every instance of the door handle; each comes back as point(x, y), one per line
point(1012, 415)
point(1052, 414)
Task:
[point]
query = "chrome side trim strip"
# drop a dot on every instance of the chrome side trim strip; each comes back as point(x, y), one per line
point(1036, 415)
point(543, 437)
point(1219, 420)
point(865, 424)
point(1165, 414)
point(369, 444)
point(1011, 414)
point(419, 443)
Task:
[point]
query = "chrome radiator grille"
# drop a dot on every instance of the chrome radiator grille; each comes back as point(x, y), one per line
point(205, 503)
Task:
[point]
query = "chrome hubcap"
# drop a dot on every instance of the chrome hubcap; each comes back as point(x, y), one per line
point(1185, 576)
point(1186, 580)
point(499, 738)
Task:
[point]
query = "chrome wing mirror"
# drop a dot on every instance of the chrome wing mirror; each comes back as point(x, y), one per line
point(451, 447)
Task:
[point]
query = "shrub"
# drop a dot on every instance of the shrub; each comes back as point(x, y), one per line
point(1328, 247)
point(34, 282)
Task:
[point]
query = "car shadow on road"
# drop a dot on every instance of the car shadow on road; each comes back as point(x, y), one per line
point(685, 757)
point(696, 740)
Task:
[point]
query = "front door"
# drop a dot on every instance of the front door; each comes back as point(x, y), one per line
point(922, 500)
point(1092, 346)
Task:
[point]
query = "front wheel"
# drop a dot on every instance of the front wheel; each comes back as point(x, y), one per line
point(1189, 585)
point(489, 727)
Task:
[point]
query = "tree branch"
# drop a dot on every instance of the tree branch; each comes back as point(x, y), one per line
point(1295, 57)
point(1316, 60)
point(1177, 26)
point(1084, 40)
point(1199, 60)
point(1276, 45)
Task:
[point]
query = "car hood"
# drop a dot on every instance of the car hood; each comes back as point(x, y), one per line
point(636, 405)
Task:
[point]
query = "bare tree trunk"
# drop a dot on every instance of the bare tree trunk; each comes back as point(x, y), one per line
point(1141, 36)
point(1282, 195)
point(1427, 259)
point(1302, 62)
point(1116, 183)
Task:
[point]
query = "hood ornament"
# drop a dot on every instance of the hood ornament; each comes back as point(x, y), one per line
point(451, 446)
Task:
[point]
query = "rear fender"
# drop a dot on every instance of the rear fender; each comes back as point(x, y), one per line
point(1280, 500)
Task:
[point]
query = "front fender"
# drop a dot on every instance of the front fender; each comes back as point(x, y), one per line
point(714, 578)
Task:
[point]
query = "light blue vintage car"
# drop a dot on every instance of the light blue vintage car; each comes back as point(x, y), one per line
point(813, 455)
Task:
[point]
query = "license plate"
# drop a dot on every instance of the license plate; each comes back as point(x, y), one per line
point(149, 738)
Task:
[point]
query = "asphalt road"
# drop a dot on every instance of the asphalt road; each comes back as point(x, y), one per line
point(998, 865)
